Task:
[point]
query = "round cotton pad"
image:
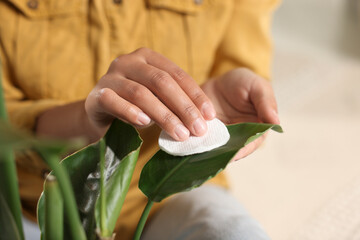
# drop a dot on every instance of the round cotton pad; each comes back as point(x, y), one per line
point(216, 136)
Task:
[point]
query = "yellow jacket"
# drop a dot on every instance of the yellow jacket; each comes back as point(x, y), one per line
point(54, 51)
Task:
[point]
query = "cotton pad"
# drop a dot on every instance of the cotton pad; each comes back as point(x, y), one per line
point(216, 136)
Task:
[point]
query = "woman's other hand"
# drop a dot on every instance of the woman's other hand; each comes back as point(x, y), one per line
point(242, 96)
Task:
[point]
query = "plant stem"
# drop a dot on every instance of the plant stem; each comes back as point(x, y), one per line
point(8, 227)
point(143, 219)
point(103, 226)
point(72, 214)
point(54, 210)
point(8, 176)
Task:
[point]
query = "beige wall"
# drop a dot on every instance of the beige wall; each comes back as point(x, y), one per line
point(304, 184)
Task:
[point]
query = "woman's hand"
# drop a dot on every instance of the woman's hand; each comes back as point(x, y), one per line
point(242, 96)
point(144, 86)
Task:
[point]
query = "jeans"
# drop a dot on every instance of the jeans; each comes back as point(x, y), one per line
point(209, 212)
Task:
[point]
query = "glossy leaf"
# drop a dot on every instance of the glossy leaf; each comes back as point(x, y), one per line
point(165, 174)
point(122, 149)
point(78, 172)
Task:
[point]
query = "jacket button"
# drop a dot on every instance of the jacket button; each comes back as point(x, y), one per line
point(117, 1)
point(33, 4)
point(198, 2)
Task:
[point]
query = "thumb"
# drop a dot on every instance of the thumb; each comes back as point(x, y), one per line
point(262, 96)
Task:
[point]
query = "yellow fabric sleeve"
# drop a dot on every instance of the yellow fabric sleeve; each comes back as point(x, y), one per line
point(246, 42)
point(22, 112)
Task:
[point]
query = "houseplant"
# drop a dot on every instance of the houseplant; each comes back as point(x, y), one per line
point(98, 177)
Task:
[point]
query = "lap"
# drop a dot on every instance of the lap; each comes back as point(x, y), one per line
point(209, 212)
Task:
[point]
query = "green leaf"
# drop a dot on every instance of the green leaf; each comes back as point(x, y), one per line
point(101, 214)
point(164, 174)
point(78, 166)
point(8, 228)
point(122, 149)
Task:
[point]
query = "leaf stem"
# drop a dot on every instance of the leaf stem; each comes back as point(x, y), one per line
point(103, 226)
point(8, 227)
point(54, 210)
point(67, 193)
point(8, 176)
point(143, 219)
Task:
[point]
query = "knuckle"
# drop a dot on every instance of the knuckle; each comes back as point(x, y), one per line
point(198, 96)
point(142, 51)
point(128, 111)
point(168, 119)
point(113, 65)
point(123, 61)
point(180, 75)
point(243, 93)
point(118, 63)
point(103, 96)
point(137, 91)
point(242, 69)
point(191, 110)
point(107, 79)
point(160, 79)
point(119, 60)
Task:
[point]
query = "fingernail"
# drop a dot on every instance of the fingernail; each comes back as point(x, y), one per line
point(143, 118)
point(241, 154)
point(200, 127)
point(181, 132)
point(208, 111)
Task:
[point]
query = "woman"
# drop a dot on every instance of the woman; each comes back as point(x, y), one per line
point(71, 67)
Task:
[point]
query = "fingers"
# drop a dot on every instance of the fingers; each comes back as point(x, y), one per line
point(144, 99)
point(177, 91)
point(188, 85)
point(178, 103)
point(106, 100)
point(249, 148)
point(263, 98)
point(144, 86)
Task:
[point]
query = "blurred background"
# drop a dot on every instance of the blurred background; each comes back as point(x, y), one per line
point(305, 184)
